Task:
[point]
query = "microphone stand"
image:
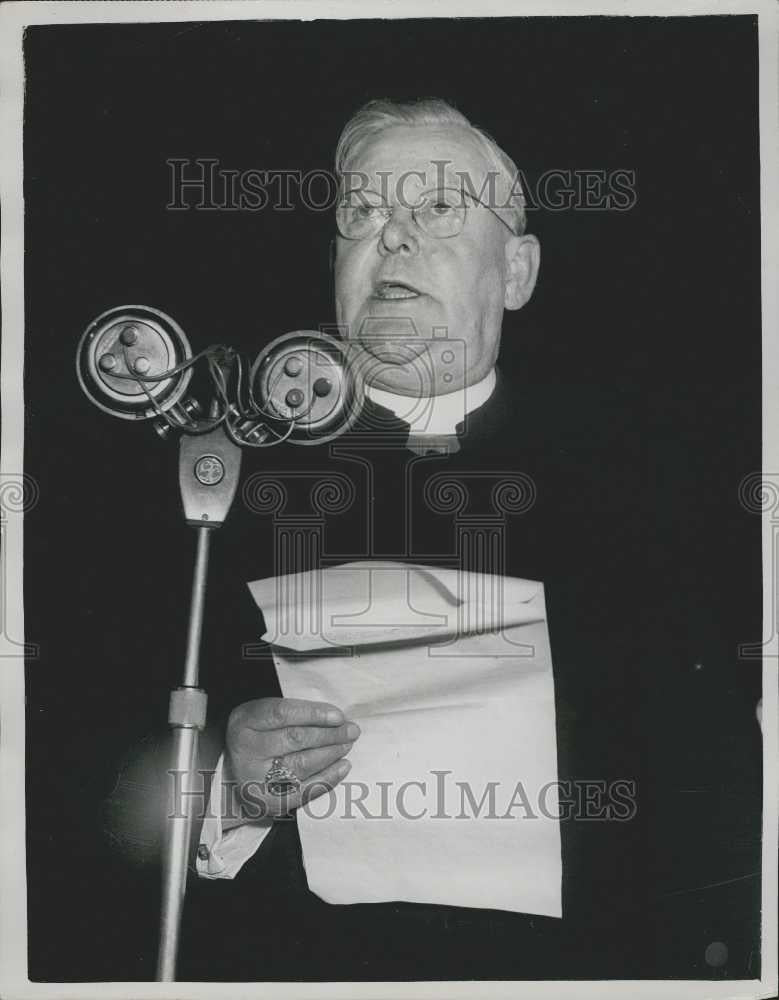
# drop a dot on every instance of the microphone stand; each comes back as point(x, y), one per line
point(209, 465)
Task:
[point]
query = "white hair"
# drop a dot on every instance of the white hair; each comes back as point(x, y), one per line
point(378, 115)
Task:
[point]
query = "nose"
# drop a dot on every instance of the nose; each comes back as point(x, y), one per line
point(399, 235)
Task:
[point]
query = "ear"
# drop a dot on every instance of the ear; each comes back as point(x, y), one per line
point(523, 258)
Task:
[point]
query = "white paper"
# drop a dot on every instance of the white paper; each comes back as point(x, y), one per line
point(372, 602)
point(452, 796)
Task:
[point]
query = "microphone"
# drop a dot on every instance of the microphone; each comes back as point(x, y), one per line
point(135, 362)
point(307, 380)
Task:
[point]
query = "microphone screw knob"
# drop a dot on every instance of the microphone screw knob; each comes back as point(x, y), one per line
point(107, 362)
point(129, 336)
point(322, 387)
point(294, 397)
point(142, 365)
point(293, 367)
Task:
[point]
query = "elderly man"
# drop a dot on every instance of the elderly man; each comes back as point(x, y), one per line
point(423, 264)
point(430, 252)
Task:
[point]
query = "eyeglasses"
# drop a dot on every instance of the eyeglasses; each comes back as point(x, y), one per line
point(440, 213)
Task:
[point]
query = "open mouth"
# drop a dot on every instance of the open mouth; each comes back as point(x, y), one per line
point(394, 290)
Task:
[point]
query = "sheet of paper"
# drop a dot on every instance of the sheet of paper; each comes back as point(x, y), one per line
point(452, 796)
point(372, 602)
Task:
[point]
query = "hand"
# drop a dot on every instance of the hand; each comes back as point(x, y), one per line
point(310, 738)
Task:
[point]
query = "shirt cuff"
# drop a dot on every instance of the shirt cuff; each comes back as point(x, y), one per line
point(222, 854)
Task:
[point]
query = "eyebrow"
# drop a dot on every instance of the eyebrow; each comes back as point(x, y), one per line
point(429, 190)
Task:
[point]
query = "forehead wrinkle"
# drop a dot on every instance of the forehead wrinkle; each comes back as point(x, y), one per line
point(402, 151)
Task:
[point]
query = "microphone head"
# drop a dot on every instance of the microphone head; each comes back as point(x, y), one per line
point(121, 355)
point(306, 379)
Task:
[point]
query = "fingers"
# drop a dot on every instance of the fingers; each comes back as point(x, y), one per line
point(279, 713)
point(273, 727)
point(295, 739)
point(260, 804)
point(308, 763)
point(321, 783)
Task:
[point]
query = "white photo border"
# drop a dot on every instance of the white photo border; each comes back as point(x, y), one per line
point(14, 17)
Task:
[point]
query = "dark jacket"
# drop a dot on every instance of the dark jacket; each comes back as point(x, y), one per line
point(645, 686)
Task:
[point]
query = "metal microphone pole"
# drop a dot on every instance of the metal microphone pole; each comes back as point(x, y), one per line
point(209, 465)
point(187, 716)
point(135, 363)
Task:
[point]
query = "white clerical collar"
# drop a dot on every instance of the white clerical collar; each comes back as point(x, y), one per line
point(435, 415)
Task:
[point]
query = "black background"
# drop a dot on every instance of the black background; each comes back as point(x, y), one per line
point(659, 305)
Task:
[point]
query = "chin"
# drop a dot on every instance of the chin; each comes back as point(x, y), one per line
point(403, 381)
point(395, 369)
point(402, 330)
point(411, 380)
point(403, 319)
point(412, 388)
point(396, 352)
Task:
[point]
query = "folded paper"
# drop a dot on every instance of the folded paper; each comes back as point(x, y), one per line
point(368, 603)
point(452, 796)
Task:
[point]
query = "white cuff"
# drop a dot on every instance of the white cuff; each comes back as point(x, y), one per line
point(222, 854)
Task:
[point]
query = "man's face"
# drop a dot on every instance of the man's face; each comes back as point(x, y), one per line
point(402, 293)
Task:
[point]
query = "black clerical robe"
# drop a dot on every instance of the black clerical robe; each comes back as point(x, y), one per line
point(578, 505)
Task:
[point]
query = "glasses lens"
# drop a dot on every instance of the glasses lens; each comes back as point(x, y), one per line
point(360, 214)
point(442, 213)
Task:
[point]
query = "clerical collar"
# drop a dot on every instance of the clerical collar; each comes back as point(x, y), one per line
point(435, 415)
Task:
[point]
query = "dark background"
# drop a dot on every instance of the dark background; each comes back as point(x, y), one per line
point(659, 306)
